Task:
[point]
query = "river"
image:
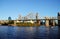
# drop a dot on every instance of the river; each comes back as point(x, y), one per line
point(42, 32)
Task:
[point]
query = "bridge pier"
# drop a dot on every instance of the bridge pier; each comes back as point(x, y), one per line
point(53, 23)
point(38, 21)
point(14, 23)
point(47, 22)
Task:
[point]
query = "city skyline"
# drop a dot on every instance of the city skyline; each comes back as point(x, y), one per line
point(15, 7)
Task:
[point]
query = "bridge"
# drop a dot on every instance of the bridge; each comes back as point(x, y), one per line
point(35, 18)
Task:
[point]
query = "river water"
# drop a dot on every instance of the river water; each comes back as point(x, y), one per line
point(42, 32)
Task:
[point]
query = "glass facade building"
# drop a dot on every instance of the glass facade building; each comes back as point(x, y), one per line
point(58, 19)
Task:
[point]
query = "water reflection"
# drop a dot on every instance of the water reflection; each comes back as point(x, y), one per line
point(42, 32)
point(11, 32)
point(58, 32)
point(25, 33)
point(53, 33)
point(3, 33)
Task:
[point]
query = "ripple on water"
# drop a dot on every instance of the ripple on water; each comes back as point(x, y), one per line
point(42, 32)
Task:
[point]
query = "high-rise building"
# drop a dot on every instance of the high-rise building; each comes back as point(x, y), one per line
point(58, 19)
point(9, 18)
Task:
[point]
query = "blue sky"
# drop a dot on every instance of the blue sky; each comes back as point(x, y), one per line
point(15, 7)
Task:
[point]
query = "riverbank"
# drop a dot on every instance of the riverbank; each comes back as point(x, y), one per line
point(21, 24)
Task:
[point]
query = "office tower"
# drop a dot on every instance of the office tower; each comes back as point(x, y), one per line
point(9, 18)
point(58, 19)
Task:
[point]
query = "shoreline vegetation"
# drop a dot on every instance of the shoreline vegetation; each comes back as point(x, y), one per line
point(26, 23)
point(22, 24)
point(12, 23)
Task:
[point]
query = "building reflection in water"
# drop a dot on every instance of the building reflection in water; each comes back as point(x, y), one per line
point(42, 32)
point(53, 33)
point(25, 32)
point(47, 32)
point(30, 32)
point(36, 33)
point(3, 33)
point(11, 33)
point(59, 32)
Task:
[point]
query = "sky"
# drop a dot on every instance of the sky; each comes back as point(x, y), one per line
point(13, 8)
